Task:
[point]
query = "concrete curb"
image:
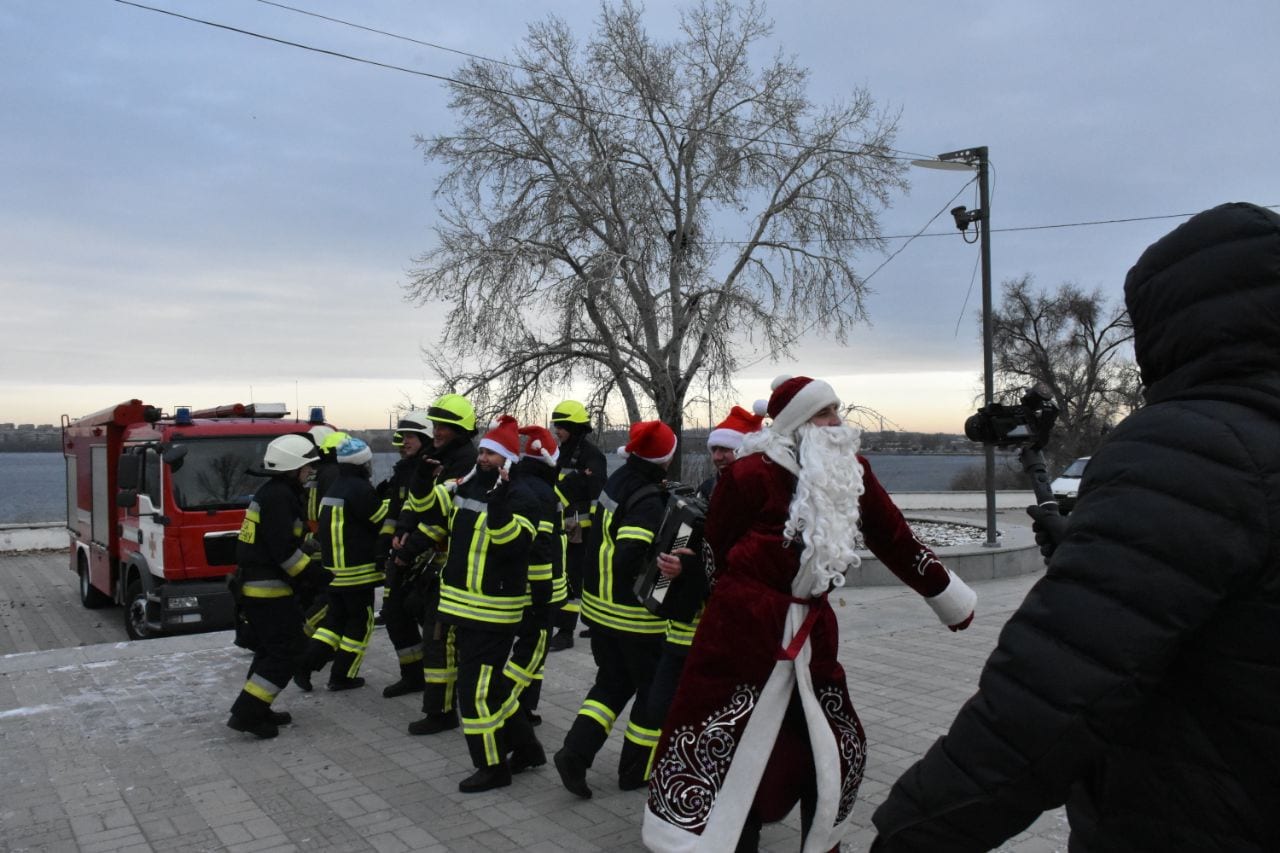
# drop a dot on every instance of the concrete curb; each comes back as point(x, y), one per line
point(41, 536)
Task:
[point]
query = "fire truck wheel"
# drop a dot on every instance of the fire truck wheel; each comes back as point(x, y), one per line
point(90, 597)
point(135, 612)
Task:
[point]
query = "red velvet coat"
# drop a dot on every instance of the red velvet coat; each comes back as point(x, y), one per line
point(735, 668)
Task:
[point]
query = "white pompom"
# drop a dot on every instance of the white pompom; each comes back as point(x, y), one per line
point(622, 451)
point(761, 408)
point(536, 444)
point(778, 380)
point(493, 425)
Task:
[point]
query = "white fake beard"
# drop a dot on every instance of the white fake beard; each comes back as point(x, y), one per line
point(824, 510)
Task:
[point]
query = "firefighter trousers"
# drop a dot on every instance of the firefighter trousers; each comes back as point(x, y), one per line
point(277, 627)
point(402, 615)
point(625, 666)
point(575, 560)
point(529, 656)
point(485, 696)
point(344, 635)
point(666, 679)
point(439, 655)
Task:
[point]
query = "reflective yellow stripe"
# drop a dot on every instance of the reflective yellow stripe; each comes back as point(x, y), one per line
point(639, 534)
point(601, 713)
point(266, 589)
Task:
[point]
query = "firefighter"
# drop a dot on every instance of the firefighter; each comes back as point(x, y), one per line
point(350, 519)
point(546, 574)
point(488, 524)
point(582, 475)
point(451, 456)
point(626, 639)
point(401, 609)
point(273, 558)
point(315, 603)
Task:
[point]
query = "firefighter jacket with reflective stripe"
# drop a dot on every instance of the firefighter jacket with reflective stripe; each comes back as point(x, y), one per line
point(433, 468)
point(393, 492)
point(583, 471)
point(326, 473)
point(268, 551)
point(625, 521)
point(489, 527)
point(546, 555)
point(350, 518)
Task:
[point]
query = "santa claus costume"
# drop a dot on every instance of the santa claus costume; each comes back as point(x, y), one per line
point(762, 718)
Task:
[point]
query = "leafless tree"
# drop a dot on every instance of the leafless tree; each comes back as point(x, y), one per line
point(1076, 349)
point(623, 213)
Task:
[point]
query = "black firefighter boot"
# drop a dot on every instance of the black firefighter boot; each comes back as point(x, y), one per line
point(257, 724)
point(573, 772)
point(486, 779)
point(526, 751)
point(411, 681)
point(434, 722)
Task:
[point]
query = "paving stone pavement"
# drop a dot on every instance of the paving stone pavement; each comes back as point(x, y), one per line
point(123, 747)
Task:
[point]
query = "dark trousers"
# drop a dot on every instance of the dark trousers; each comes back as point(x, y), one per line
point(485, 697)
point(575, 559)
point(439, 655)
point(277, 629)
point(402, 615)
point(344, 635)
point(625, 665)
point(666, 679)
point(529, 656)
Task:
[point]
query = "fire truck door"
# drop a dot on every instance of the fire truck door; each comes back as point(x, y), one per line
point(151, 530)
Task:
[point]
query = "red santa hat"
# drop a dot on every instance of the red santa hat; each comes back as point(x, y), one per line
point(795, 399)
point(730, 431)
point(503, 438)
point(541, 444)
point(652, 441)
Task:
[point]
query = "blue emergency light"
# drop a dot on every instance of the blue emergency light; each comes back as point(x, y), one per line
point(317, 415)
point(182, 415)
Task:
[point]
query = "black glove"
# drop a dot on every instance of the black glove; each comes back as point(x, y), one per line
point(388, 569)
point(1049, 526)
point(310, 547)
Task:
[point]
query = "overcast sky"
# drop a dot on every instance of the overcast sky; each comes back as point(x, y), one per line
point(193, 215)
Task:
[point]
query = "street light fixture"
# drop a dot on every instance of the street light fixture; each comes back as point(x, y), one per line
point(967, 159)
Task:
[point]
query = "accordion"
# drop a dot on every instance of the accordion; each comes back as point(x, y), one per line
point(679, 598)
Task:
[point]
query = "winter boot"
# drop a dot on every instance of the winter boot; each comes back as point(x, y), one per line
point(486, 779)
point(573, 772)
point(280, 718)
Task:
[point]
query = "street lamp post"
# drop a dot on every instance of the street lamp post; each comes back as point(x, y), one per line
point(976, 158)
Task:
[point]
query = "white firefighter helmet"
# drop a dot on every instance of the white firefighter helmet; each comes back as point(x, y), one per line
point(289, 453)
point(415, 421)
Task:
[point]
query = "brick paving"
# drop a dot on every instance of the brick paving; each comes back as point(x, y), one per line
point(116, 746)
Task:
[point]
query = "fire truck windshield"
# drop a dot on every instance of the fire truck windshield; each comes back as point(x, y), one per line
point(214, 473)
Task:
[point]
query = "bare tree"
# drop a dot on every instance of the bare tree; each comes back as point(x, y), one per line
point(623, 213)
point(1076, 350)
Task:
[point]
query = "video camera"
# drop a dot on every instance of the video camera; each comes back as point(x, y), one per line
point(1028, 426)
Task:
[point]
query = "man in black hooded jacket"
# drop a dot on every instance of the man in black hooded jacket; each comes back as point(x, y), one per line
point(1139, 682)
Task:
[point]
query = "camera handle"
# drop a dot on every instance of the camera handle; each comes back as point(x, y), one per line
point(1033, 463)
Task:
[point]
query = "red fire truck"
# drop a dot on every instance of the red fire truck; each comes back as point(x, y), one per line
point(155, 503)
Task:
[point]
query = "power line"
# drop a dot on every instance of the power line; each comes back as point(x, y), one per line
point(497, 91)
point(946, 207)
point(513, 65)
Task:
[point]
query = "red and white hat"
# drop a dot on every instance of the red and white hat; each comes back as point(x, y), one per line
point(730, 431)
point(795, 399)
point(541, 444)
point(652, 441)
point(503, 438)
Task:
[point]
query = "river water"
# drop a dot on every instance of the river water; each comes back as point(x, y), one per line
point(33, 485)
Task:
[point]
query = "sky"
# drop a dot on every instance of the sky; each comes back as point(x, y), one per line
point(191, 215)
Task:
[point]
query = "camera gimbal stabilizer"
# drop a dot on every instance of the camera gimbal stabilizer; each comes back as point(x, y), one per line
point(1028, 426)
